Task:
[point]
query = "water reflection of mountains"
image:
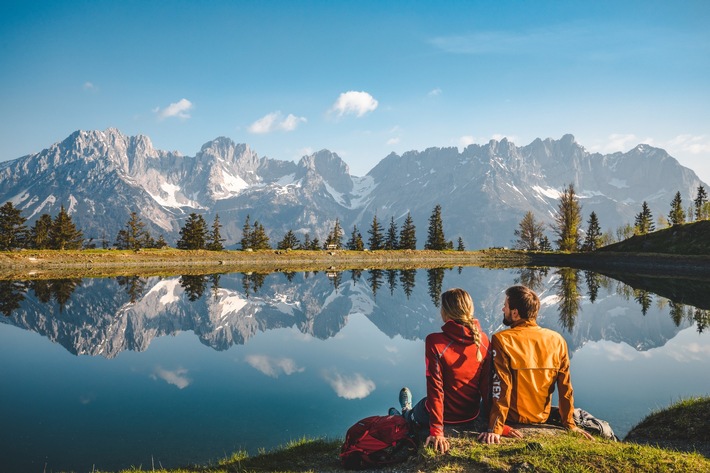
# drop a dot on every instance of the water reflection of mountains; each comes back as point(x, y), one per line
point(107, 316)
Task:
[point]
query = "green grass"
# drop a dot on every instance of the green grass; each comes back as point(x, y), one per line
point(685, 239)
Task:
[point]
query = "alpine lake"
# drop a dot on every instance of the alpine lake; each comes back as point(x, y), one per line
point(109, 373)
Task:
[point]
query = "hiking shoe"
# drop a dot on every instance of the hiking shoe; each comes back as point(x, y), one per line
point(405, 399)
point(393, 412)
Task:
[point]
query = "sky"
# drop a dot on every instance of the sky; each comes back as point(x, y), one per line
point(362, 79)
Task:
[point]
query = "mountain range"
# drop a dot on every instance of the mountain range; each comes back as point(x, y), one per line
point(484, 190)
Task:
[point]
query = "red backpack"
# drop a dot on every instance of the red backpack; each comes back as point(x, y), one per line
point(376, 441)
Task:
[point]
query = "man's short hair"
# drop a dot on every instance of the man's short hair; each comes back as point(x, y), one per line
point(524, 300)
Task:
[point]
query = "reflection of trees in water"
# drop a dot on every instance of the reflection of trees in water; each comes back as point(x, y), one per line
point(407, 278)
point(435, 280)
point(214, 283)
point(374, 279)
point(702, 319)
point(194, 286)
point(570, 298)
point(532, 277)
point(133, 285)
point(335, 277)
point(12, 293)
point(355, 275)
point(392, 280)
point(644, 299)
point(58, 289)
point(593, 281)
point(252, 282)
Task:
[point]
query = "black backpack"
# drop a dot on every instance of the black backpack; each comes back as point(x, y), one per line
point(377, 441)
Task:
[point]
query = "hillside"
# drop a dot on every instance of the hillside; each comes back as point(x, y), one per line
point(687, 239)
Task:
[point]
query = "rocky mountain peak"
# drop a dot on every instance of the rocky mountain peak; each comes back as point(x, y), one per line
point(330, 167)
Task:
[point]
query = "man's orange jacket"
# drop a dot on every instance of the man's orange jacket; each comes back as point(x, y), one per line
point(528, 361)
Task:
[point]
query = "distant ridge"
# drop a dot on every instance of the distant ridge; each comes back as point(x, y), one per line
point(484, 190)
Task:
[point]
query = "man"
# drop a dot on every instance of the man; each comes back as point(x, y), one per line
point(528, 361)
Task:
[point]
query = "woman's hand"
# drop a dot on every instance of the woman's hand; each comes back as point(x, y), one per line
point(439, 442)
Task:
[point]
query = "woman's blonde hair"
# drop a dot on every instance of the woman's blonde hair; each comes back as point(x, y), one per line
point(457, 305)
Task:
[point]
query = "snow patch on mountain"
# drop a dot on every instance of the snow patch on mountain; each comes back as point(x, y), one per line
point(549, 192)
point(231, 302)
point(168, 291)
point(619, 183)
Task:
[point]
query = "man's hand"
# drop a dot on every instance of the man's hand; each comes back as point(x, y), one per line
point(439, 442)
point(582, 432)
point(512, 433)
point(489, 438)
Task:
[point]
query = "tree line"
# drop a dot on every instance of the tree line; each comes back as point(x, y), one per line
point(60, 233)
point(567, 226)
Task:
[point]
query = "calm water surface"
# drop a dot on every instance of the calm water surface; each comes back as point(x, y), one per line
point(110, 373)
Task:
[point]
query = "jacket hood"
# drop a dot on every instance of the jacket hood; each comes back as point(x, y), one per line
point(459, 333)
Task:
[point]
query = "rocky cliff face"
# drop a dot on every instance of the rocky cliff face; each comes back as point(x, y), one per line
point(484, 190)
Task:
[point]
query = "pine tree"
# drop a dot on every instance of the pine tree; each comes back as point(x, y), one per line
point(64, 235)
point(460, 246)
point(677, 214)
point(259, 239)
point(13, 232)
point(435, 237)
point(699, 202)
point(643, 223)
point(289, 242)
point(529, 233)
point(306, 242)
point(335, 237)
point(592, 240)
point(161, 243)
point(391, 242)
point(39, 233)
point(194, 234)
point(355, 242)
point(568, 220)
point(545, 244)
point(408, 236)
point(246, 235)
point(133, 236)
point(215, 236)
point(375, 241)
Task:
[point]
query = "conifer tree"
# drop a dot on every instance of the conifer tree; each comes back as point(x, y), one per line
point(643, 223)
point(592, 239)
point(134, 236)
point(460, 246)
point(545, 244)
point(435, 237)
point(568, 220)
point(529, 233)
point(391, 242)
point(161, 243)
point(335, 237)
point(408, 236)
point(306, 242)
point(355, 242)
point(215, 236)
point(13, 232)
point(39, 233)
point(289, 241)
point(700, 200)
point(245, 242)
point(64, 235)
point(677, 214)
point(375, 241)
point(193, 235)
point(259, 238)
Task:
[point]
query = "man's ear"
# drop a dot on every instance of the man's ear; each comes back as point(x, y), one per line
point(514, 315)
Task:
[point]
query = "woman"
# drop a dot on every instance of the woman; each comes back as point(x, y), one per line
point(457, 373)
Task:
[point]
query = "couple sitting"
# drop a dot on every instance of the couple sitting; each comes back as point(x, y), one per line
point(527, 361)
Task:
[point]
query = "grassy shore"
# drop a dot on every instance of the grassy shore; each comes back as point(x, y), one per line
point(35, 264)
point(683, 426)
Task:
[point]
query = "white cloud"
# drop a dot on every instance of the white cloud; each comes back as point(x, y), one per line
point(353, 387)
point(354, 103)
point(435, 92)
point(178, 109)
point(176, 377)
point(393, 141)
point(464, 141)
point(690, 144)
point(273, 367)
point(275, 122)
point(90, 87)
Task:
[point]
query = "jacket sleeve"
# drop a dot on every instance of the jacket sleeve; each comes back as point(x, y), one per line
point(484, 386)
point(564, 388)
point(434, 391)
point(501, 388)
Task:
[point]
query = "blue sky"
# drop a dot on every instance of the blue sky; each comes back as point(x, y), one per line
point(362, 79)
